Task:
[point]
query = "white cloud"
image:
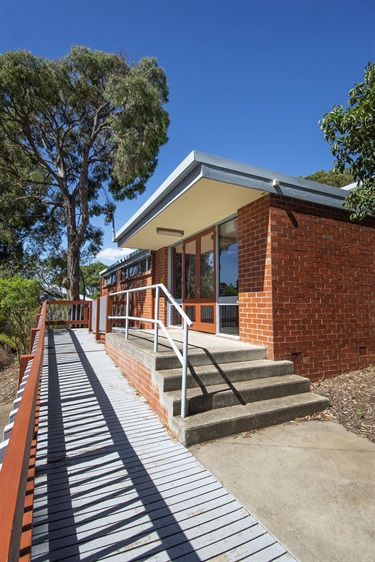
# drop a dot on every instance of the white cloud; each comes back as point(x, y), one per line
point(110, 255)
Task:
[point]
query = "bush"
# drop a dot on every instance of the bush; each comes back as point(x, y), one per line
point(7, 344)
point(19, 300)
point(6, 358)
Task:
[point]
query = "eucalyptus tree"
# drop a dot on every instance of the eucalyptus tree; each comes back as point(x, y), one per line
point(71, 127)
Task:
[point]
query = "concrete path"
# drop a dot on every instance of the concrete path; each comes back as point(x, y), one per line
point(112, 484)
point(310, 483)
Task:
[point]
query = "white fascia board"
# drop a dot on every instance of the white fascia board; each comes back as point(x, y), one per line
point(181, 171)
point(349, 187)
point(155, 205)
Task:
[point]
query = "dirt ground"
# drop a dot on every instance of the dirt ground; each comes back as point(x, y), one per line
point(8, 384)
point(351, 396)
point(351, 401)
point(8, 377)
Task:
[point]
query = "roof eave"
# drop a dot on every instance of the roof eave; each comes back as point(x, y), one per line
point(201, 165)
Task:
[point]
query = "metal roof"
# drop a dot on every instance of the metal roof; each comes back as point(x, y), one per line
point(199, 166)
point(135, 256)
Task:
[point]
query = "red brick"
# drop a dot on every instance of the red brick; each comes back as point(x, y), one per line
point(307, 284)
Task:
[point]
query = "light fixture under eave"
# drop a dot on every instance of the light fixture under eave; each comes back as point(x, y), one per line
point(170, 232)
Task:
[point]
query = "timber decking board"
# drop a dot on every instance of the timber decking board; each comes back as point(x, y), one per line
point(111, 483)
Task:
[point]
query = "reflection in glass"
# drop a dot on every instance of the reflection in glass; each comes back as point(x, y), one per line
point(177, 271)
point(229, 319)
point(190, 270)
point(207, 267)
point(208, 314)
point(228, 259)
point(191, 312)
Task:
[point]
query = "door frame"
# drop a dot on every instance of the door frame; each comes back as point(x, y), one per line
point(199, 302)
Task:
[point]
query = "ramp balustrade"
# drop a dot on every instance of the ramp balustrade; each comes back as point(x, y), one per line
point(68, 313)
point(16, 466)
point(16, 472)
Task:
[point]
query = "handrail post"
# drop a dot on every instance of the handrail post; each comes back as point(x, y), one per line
point(156, 338)
point(33, 333)
point(184, 370)
point(127, 317)
point(97, 320)
point(89, 316)
point(109, 306)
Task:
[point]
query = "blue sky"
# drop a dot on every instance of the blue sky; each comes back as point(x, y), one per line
point(249, 79)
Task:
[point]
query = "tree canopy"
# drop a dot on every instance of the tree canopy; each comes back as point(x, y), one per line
point(351, 134)
point(69, 128)
point(331, 177)
point(90, 280)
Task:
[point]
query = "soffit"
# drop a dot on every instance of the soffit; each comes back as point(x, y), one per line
point(205, 203)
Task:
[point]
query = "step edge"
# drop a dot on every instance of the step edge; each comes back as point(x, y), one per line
point(313, 399)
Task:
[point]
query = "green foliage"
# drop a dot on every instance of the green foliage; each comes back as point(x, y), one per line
point(228, 290)
point(90, 280)
point(351, 134)
point(7, 343)
point(68, 128)
point(332, 177)
point(19, 299)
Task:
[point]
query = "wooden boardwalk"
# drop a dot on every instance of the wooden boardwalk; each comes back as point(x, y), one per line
point(112, 484)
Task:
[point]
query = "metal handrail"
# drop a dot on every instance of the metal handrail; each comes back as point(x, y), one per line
point(182, 357)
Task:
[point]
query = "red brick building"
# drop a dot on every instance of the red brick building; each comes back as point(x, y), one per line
point(129, 273)
point(268, 258)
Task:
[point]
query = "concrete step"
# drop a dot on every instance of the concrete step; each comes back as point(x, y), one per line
point(207, 375)
point(200, 356)
point(243, 392)
point(222, 422)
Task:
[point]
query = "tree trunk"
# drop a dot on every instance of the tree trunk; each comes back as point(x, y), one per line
point(75, 234)
point(73, 253)
point(72, 281)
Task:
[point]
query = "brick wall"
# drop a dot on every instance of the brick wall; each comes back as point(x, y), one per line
point(323, 269)
point(140, 376)
point(306, 285)
point(141, 303)
point(161, 276)
point(254, 274)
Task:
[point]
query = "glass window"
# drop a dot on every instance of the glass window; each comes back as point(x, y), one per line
point(207, 268)
point(190, 270)
point(229, 319)
point(177, 271)
point(136, 268)
point(228, 259)
point(208, 314)
point(110, 279)
point(191, 312)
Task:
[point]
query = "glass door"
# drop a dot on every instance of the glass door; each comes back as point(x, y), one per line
point(198, 294)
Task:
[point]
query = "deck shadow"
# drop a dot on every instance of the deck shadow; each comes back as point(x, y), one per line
point(61, 460)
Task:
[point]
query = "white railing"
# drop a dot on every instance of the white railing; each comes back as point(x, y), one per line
point(182, 357)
